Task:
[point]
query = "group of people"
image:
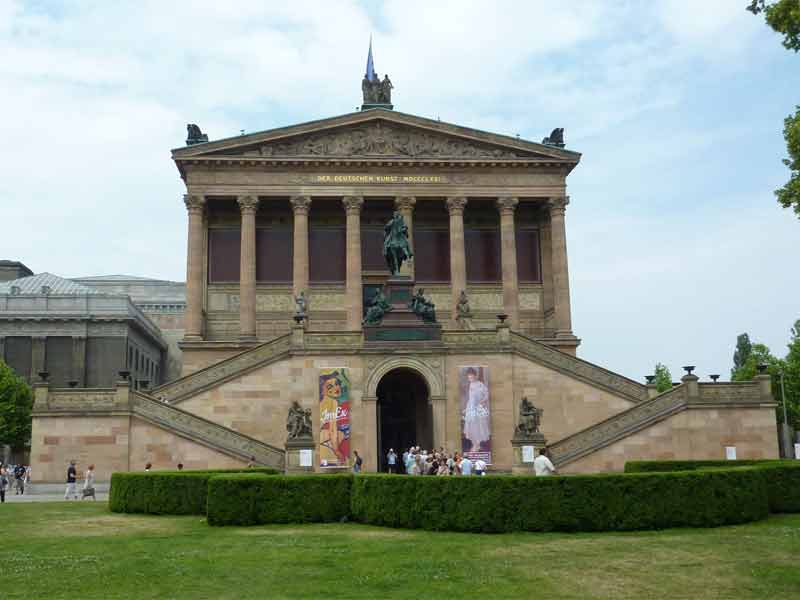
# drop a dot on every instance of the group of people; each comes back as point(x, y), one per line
point(17, 475)
point(416, 461)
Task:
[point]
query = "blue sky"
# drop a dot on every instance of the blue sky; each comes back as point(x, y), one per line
point(676, 243)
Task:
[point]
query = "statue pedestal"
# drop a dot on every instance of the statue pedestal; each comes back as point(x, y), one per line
point(519, 446)
point(298, 451)
point(400, 324)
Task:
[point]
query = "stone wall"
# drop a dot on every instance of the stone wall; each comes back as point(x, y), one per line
point(694, 434)
point(164, 449)
point(102, 440)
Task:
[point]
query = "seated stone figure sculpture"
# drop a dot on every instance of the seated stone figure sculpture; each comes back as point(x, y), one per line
point(376, 308)
point(423, 307)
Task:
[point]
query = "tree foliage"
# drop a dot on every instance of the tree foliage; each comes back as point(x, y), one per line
point(784, 17)
point(789, 366)
point(663, 378)
point(16, 402)
point(743, 350)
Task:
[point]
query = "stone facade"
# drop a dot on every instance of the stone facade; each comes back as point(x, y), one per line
point(301, 209)
point(76, 333)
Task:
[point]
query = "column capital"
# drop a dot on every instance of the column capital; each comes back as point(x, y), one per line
point(300, 204)
point(247, 204)
point(558, 204)
point(405, 202)
point(353, 204)
point(456, 204)
point(507, 204)
point(194, 202)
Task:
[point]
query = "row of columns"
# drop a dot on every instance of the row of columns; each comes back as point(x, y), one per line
point(353, 281)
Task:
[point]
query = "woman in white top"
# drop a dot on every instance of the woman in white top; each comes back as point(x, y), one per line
point(88, 483)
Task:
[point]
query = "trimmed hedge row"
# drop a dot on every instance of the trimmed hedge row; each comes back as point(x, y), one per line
point(663, 466)
point(496, 504)
point(782, 477)
point(578, 503)
point(248, 499)
point(166, 492)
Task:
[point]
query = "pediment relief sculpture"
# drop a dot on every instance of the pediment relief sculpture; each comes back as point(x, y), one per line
point(381, 139)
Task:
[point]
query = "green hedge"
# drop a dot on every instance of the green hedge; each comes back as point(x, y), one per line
point(248, 499)
point(663, 466)
point(579, 503)
point(782, 476)
point(165, 492)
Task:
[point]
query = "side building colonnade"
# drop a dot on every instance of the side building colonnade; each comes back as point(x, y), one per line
point(301, 205)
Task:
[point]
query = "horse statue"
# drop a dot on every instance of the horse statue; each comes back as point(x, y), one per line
point(396, 248)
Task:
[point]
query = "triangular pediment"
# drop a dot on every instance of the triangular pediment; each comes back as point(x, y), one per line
point(378, 134)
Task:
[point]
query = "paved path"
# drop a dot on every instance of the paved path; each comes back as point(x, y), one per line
point(52, 492)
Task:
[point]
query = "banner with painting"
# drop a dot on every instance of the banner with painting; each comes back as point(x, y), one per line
point(334, 417)
point(476, 423)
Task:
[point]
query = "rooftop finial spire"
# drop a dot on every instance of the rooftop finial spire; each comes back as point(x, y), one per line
point(370, 74)
point(377, 93)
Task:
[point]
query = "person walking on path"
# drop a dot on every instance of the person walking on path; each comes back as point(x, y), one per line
point(3, 482)
point(542, 465)
point(480, 467)
point(72, 476)
point(466, 466)
point(357, 462)
point(19, 480)
point(391, 461)
point(88, 484)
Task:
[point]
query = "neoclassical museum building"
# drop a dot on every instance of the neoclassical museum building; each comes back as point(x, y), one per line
point(301, 347)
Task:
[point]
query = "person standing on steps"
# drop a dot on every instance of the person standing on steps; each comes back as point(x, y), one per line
point(542, 465)
point(391, 461)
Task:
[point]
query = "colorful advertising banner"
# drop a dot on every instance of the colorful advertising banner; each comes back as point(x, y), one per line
point(476, 423)
point(334, 417)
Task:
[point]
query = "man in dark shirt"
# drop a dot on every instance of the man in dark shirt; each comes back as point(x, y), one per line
point(72, 476)
point(19, 480)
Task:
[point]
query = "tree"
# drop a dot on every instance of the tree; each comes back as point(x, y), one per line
point(742, 352)
point(784, 17)
point(16, 402)
point(663, 378)
point(760, 355)
point(791, 373)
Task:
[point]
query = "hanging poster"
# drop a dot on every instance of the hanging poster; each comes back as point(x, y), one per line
point(334, 417)
point(476, 424)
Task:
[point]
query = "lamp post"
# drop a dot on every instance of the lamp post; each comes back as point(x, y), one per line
point(783, 397)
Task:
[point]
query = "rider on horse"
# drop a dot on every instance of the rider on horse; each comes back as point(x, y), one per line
point(395, 243)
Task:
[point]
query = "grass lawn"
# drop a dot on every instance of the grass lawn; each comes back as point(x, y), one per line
point(81, 550)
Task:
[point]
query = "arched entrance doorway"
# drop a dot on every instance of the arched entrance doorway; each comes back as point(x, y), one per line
point(403, 413)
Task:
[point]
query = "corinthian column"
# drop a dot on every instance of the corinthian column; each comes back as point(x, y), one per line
point(353, 298)
point(300, 206)
point(458, 264)
point(247, 269)
point(405, 206)
point(558, 236)
point(194, 267)
point(508, 250)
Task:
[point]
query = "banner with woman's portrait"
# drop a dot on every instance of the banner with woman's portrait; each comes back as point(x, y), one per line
point(334, 417)
point(476, 422)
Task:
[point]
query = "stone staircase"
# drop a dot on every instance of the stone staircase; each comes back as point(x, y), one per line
point(205, 432)
point(241, 363)
point(621, 425)
point(578, 368)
